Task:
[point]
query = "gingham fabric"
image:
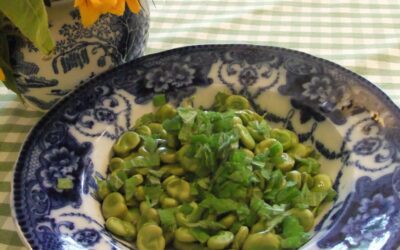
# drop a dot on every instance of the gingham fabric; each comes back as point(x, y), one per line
point(362, 35)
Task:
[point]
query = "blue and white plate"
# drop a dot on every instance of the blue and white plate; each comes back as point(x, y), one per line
point(351, 123)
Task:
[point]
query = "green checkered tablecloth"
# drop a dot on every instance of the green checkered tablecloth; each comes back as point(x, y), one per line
point(362, 35)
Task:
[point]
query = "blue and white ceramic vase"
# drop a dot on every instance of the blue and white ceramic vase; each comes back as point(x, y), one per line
point(80, 53)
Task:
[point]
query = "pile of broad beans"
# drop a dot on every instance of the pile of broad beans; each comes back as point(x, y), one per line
point(212, 179)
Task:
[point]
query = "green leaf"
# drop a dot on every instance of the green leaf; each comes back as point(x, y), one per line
point(117, 180)
point(310, 198)
point(186, 208)
point(220, 206)
point(308, 165)
point(172, 125)
point(265, 210)
point(293, 233)
point(152, 194)
point(188, 115)
point(10, 82)
point(206, 224)
point(30, 17)
point(64, 183)
point(219, 102)
point(152, 160)
point(200, 234)
point(159, 100)
point(185, 133)
point(150, 144)
point(331, 195)
point(167, 218)
point(145, 119)
point(129, 187)
point(287, 194)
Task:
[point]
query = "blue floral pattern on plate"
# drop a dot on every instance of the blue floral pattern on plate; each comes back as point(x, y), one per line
point(305, 94)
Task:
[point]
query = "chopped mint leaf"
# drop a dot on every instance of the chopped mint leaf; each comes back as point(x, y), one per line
point(149, 143)
point(199, 234)
point(145, 119)
point(152, 194)
point(159, 100)
point(265, 210)
point(173, 125)
point(287, 194)
point(129, 187)
point(188, 115)
point(308, 165)
point(64, 183)
point(152, 160)
point(293, 233)
point(167, 218)
point(186, 208)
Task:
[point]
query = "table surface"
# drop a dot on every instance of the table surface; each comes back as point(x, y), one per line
point(362, 35)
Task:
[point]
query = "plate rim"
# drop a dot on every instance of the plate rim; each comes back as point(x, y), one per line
point(373, 88)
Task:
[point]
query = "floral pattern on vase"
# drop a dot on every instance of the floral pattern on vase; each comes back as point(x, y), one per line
point(80, 53)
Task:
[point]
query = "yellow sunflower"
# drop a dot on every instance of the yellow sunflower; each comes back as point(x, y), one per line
point(2, 76)
point(91, 10)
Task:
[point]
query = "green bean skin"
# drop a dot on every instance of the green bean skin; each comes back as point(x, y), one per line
point(187, 163)
point(187, 246)
point(182, 234)
point(157, 128)
point(150, 214)
point(139, 193)
point(245, 136)
point(240, 237)
point(169, 202)
point(322, 183)
point(167, 111)
point(228, 220)
point(258, 227)
point(300, 150)
point(143, 130)
point(265, 241)
point(127, 142)
point(121, 228)
point(172, 141)
point(168, 156)
point(102, 189)
point(173, 169)
point(181, 219)
point(220, 241)
point(284, 162)
point(132, 216)
point(114, 206)
point(306, 179)
point(150, 237)
point(116, 163)
point(178, 189)
point(305, 216)
point(237, 102)
point(294, 176)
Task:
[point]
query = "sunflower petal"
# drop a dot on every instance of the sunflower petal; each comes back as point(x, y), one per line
point(2, 76)
point(134, 5)
point(118, 9)
point(103, 5)
point(89, 15)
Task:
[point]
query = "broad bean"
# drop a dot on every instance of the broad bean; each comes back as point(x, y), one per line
point(220, 241)
point(126, 143)
point(265, 241)
point(114, 206)
point(121, 228)
point(150, 237)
